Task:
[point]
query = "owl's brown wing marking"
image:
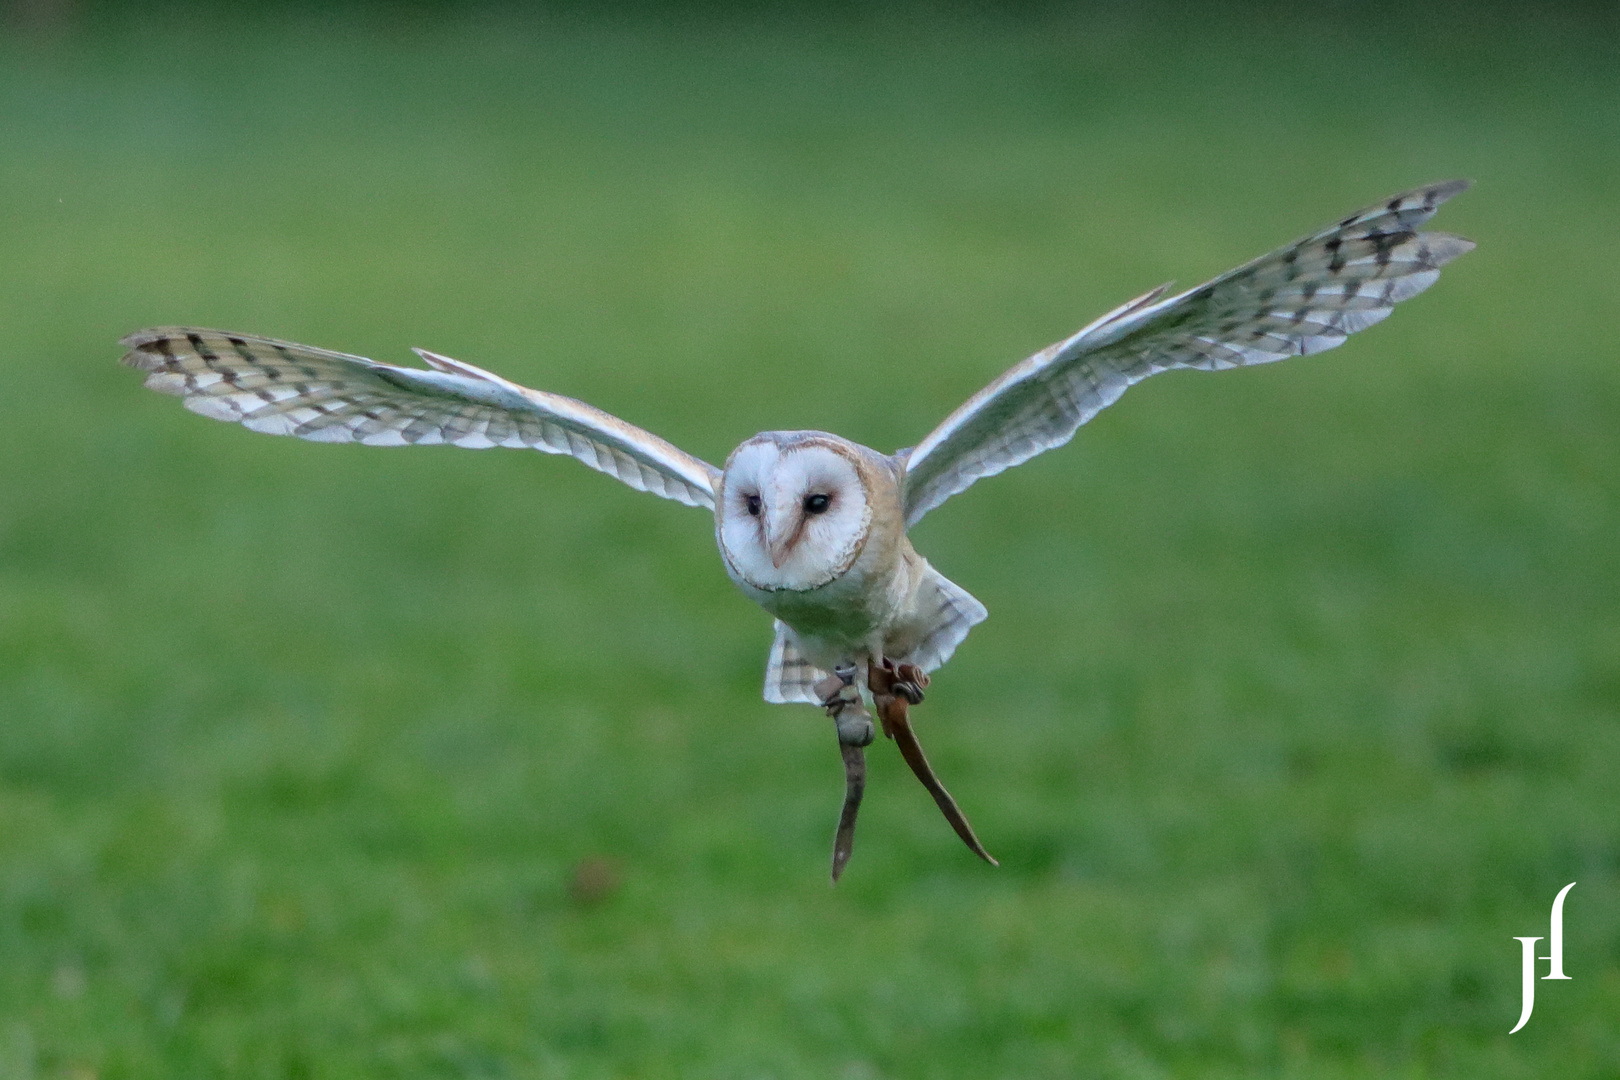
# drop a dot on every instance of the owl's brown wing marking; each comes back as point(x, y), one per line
point(281, 388)
point(1301, 299)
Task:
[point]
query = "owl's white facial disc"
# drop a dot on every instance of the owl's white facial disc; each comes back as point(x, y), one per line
point(793, 517)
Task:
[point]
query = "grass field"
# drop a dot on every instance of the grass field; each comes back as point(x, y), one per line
point(1299, 695)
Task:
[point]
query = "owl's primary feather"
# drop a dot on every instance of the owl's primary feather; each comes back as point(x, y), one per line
point(1301, 299)
point(281, 388)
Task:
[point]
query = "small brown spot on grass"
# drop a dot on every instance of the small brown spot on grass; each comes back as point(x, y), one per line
point(595, 878)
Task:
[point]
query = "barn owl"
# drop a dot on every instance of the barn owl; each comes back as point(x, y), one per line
point(811, 526)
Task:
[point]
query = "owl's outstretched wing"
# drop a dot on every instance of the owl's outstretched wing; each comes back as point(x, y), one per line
point(284, 389)
point(1301, 299)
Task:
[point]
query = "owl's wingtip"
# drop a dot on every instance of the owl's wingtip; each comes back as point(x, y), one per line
point(434, 360)
point(152, 334)
point(440, 362)
point(138, 356)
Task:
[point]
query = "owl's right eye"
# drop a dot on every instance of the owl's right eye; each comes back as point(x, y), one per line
point(752, 502)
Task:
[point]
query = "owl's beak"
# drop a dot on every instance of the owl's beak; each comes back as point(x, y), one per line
point(781, 533)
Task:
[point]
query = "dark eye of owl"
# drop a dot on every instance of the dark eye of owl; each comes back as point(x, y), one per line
point(753, 504)
point(817, 504)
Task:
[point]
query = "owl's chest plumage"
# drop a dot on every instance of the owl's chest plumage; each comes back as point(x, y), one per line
point(851, 605)
point(867, 609)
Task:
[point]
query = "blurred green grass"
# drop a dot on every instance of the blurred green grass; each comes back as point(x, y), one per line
point(1299, 695)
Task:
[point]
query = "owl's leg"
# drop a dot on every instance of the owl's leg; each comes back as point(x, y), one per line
point(895, 688)
point(841, 699)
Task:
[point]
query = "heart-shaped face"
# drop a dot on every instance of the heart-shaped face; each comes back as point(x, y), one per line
point(794, 512)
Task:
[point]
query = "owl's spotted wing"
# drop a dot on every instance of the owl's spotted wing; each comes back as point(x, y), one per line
point(1301, 299)
point(284, 389)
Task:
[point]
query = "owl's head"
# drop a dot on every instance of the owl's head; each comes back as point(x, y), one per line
point(795, 510)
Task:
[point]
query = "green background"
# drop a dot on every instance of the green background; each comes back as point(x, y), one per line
point(1297, 701)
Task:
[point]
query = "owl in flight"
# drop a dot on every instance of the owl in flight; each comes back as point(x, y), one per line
point(810, 526)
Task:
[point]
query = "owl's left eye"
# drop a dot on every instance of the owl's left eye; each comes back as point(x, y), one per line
point(817, 504)
point(752, 502)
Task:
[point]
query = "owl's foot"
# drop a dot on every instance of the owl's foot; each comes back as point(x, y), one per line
point(909, 682)
point(895, 688)
point(838, 695)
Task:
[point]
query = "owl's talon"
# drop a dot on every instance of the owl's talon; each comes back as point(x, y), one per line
point(909, 682)
point(828, 690)
point(837, 691)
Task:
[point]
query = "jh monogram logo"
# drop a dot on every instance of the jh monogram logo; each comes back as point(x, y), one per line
point(1554, 957)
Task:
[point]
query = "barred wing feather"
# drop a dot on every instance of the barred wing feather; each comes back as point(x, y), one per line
point(281, 388)
point(1301, 299)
